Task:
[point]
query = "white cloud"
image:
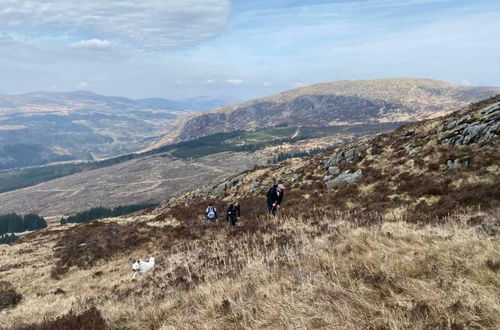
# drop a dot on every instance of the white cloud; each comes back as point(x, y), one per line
point(209, 81)
point(96, 44)
point(298, 84)
point(147, 24)
point(266, 83)
point(82, 85)
point(233, 81)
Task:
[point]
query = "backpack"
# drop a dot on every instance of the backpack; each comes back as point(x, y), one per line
point(211, 213)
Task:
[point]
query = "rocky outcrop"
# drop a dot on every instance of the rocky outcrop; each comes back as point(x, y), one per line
point(469, 129)
point(220, 188)
point(344, 178)
point(345, 156)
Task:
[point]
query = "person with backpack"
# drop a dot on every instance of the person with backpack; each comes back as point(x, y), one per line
point(233, 212)
point(211, 212)
point(275, 198)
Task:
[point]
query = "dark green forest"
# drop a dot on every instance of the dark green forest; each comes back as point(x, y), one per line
point(8, 238)
point(102, 212)
point(15, 223)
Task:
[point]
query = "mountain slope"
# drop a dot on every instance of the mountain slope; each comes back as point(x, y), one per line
point(363, 101)
point(410, 242)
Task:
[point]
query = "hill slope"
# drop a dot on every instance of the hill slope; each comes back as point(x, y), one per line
point(363, 101)
point(400, 232)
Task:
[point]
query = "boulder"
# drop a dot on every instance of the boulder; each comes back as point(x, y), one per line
point(346, 156)
point(334, 170)
point(220, 189)
point(344, 178)
point(453, 164)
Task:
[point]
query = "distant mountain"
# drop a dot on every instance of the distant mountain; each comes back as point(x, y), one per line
point(45, 127)
point(190, 104)
point(346, 102)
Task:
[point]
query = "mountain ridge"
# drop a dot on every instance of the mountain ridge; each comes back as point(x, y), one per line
point(391, 99)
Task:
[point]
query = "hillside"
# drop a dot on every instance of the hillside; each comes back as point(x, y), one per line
point(40, 128)
point(165, 172)
point(398, 232)
point(340, 102)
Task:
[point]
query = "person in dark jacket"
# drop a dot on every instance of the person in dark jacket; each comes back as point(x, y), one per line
point(233, 212)
point(275, 198)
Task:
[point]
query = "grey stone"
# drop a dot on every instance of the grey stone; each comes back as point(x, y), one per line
point(344, 178)
point(220, 189)
point(454, 164)
point(346, 156)
point(334, 170)
point(491, 108)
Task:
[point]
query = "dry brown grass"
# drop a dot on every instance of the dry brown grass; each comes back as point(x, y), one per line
point(301, 273)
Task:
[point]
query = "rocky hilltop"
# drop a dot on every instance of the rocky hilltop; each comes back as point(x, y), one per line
point(351, 102)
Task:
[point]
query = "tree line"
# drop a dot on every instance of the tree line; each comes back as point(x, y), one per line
point(6, 239)
point(15, 223)
point(102, 212)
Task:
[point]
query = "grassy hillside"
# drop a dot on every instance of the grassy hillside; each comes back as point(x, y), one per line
point(411, 243)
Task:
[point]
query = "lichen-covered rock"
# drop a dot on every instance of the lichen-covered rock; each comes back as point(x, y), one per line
point(344, 178)
point(334, 170)
point(346, 156)
point(467, 129)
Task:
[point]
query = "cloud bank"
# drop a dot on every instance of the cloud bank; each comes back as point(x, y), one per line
point(145, 24)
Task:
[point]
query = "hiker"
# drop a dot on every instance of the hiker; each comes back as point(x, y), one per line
point(211, 212)
point(233, 212)
point(275, 198)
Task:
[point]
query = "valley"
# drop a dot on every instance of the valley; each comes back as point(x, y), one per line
point(47, 127)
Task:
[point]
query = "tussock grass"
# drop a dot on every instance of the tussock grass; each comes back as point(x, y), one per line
point(300, 273)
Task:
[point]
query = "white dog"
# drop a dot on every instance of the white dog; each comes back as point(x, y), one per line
point(141, 267)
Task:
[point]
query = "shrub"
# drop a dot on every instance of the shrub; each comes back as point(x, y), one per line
point(90, 319)
point(8, 295)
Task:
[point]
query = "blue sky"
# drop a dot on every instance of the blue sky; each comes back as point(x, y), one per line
point(241, 49)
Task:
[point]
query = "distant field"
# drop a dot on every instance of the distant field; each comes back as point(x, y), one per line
point(237, 141)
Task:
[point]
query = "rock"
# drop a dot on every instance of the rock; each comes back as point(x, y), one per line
point(309, 182)
point(491, 108)
point(344, 178)
point(328, 178)
point(237, 179)
point(483, 129)
point(295, 177)
point(334, 170)
point(220, 189)
point(346, 156)
point(453, 164)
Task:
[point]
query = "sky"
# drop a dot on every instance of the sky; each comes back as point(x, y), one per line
point(241, 49)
